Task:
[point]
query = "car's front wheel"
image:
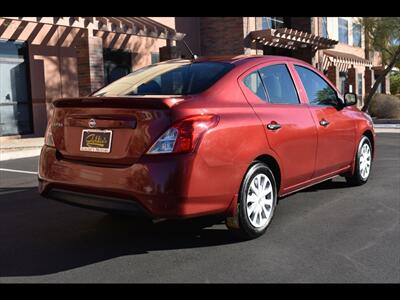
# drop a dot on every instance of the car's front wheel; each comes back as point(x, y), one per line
point(363, 163)
point(256, 203)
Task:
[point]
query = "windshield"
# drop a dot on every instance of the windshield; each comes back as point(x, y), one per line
point(172, 78)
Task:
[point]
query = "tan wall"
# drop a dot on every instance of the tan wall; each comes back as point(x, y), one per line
point(167, 21)
point(53, 59)
point(52, 63)
point(53, 70)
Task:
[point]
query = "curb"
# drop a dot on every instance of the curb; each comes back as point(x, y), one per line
point(19, 153)
point(386, 130)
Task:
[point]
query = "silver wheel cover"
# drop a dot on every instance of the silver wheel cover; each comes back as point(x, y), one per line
point(260, 201)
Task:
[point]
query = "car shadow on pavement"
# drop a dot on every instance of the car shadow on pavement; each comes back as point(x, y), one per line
point(330, 184)
point(336, 183)
point(40, 236)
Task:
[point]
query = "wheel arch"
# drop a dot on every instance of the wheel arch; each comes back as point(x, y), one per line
point(368, 133)
point(274, 166)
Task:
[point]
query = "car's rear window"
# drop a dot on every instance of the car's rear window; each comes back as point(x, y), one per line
point(172, 78)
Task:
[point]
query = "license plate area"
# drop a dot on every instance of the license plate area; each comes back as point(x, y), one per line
point(96, 140)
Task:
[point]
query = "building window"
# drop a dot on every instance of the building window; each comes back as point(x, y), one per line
point(342, 82)
point(325, 27)
point(15, 101)
point(357, 35)
point(359, 84)
point(272, 23)
point(343, 31)
point(155, 57)
point(117, 64)
point(380, 89)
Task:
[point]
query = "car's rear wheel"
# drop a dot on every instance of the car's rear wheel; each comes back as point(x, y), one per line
point(256, 203)
point(363, 163)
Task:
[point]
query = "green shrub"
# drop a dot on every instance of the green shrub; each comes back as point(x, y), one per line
point(384, 106)
point(395, 83)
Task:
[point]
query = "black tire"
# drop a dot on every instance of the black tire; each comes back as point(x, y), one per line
point(357, 179)
point(240, 224)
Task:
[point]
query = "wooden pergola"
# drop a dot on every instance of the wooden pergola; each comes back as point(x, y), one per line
point(140, 26)
point(291, 39)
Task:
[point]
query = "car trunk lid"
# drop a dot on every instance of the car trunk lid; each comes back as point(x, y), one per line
point(131, 125)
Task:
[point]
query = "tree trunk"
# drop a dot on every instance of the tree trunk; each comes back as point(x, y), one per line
point(380, 79)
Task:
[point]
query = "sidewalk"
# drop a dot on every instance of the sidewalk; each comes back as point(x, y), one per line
point(386, 125)
point(20, 148)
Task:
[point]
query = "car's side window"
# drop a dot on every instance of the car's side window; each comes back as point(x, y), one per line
point(253, 82)
point(319, 92)
point(279, 84)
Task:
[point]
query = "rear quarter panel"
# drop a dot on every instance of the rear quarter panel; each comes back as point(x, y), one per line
point(226, 151)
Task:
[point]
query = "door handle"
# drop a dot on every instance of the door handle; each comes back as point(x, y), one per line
point(324, 122)
point(273, 126)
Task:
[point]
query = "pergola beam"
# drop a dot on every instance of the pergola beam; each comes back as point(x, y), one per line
point(141, 26)
point(291, 39)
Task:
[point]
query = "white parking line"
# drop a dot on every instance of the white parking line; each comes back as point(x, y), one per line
point(18, 171)
point(11, 191)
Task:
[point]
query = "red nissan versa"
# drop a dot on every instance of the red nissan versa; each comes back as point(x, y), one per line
point(217, 135)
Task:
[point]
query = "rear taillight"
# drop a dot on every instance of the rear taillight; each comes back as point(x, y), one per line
point(48, 138)
point(184, 135)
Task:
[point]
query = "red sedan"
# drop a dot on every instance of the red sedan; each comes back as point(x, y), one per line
point(225, 135)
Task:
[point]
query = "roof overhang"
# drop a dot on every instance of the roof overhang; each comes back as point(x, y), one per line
point(290, 39)
point(343, 60)
point(141, 26)
point(348, 57)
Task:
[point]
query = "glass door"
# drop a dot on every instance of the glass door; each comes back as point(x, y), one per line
point(15, 101)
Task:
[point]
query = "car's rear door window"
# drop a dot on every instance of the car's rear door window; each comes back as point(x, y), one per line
point(279, 84)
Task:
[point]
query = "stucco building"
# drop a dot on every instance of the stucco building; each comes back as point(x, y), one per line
point(335, 45)
point(44, 58)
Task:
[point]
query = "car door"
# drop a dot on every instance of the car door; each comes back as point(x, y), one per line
point(336, 128)
point(288, 124)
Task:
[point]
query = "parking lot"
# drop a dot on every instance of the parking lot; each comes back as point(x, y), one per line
point(326, 233)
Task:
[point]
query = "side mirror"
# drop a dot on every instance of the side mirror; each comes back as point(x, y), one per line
point(350, 99)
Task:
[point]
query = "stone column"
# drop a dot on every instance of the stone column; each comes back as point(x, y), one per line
point(351, 81)
point(170, 51)
point(368, 80)
point(331, 74)
point(90, 64)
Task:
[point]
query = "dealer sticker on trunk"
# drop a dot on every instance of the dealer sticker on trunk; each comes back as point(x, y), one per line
point(96, 140)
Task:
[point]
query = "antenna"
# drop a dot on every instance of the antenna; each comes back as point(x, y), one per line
point(194, 56)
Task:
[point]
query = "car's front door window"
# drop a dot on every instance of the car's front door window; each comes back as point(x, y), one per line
point(319, 92)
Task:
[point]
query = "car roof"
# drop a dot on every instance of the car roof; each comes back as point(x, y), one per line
point(238, 59)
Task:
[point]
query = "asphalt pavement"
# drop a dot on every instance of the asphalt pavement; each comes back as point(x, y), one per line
point(329, 233)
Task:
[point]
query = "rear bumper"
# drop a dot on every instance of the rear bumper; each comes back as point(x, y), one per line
point(157, 186)
point(97, 202)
